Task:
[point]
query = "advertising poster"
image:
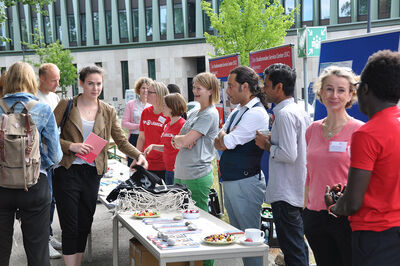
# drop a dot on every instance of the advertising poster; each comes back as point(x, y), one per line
point(221, 67)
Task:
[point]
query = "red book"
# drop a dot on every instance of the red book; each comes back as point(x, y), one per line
point(97, 143)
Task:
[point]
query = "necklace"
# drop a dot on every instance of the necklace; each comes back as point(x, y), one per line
point(333, 131)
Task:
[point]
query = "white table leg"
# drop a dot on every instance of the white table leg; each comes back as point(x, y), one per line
point(265, 259)
point(115, 241)
point(162, 262)
point(191, 263)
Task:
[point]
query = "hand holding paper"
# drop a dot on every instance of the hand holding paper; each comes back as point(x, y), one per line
point(97, 143)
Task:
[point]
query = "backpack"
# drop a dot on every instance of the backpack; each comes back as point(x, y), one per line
point(19, 147)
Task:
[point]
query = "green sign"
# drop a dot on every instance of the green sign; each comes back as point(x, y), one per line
point(309, 41)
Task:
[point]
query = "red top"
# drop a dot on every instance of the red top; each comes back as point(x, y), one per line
point(169, 154)
point(376, 148)
point(152, 125)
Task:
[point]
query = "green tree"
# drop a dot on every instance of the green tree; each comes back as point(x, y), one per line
point(37, 4)
point(247, 25)
point(56, 54)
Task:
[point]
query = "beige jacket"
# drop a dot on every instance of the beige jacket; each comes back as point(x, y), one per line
point(106, 125)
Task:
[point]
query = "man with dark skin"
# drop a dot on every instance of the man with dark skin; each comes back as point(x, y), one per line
point(372, 195)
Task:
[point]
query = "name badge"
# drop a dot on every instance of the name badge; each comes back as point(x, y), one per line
point(161, 119)
point(337, 146)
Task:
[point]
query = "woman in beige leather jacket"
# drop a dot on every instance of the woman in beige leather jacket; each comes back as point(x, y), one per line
point(76, 182)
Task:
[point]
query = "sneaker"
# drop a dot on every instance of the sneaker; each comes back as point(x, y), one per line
point(54, 254)
point(55, 243)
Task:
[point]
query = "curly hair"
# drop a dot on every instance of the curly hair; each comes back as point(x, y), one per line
point(139, 83)
point(342, 72)
point(382, 75)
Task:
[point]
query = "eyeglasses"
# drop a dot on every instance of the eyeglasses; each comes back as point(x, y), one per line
point(151, 92)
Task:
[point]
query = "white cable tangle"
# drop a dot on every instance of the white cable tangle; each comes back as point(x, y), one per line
point(141, 199)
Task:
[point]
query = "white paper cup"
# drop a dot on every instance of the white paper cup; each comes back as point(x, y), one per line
point(264, 132)
point(254, 234)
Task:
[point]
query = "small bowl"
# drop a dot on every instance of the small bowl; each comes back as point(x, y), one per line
point(191, 214)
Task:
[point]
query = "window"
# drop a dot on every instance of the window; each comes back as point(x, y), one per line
point(71, 29)
point(96, 25)
point(324, 11)
point(149, 21)
point(135, 14)
point(206, 21)
point(48, 34)
point(307, 12)
point(362, 10)
point(82, 18)
point(163, 19)
point(24, 32)
point(344, 11)
point(123, 24)
point(191, 17)
point(125, 77)
point(151, 65)
point(101, 96)
point(108, 26)
point(384, 9)
point(289, 6)
point(58, 28)
point(178, 19)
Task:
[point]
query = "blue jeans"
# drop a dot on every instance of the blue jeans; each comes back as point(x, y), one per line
point(169, 177)
point(243, 199)
point(290, 232)
point(376, 248)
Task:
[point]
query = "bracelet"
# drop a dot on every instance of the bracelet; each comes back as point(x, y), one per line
point(331, 213)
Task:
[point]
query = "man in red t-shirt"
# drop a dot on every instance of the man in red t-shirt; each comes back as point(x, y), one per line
point(372, 196)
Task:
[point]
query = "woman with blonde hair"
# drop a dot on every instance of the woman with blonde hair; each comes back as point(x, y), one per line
point(196, 140)
point(152, 123)
point(174, 108)
point(34, 204)
point(328, 161)
point(133, 111)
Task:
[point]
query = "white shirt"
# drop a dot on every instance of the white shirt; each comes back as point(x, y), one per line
point(256, 118)
point(287, 161)
point(51, 99)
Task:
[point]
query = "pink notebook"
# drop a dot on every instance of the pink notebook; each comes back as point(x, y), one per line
point(97, 143)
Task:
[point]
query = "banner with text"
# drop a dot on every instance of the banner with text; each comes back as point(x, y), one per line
point(222, 66)
point(260, 60)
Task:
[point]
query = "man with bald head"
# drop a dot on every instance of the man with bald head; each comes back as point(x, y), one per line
point(49, 77)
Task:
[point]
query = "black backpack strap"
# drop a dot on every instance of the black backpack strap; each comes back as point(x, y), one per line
point(66, 114)
point(4, 106)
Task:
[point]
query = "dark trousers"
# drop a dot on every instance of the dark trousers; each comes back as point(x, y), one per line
point(132, 140)
point(34, 210)
point(329, 238)
point(76, 192)
point(53, 200)
point(290, 232)
point(376, 248)
point(160, 174)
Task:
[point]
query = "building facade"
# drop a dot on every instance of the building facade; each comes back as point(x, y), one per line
point(163, 39)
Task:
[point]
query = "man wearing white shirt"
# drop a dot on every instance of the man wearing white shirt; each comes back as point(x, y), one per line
point(287, 162)
point(244, 184)
point(49, 76)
